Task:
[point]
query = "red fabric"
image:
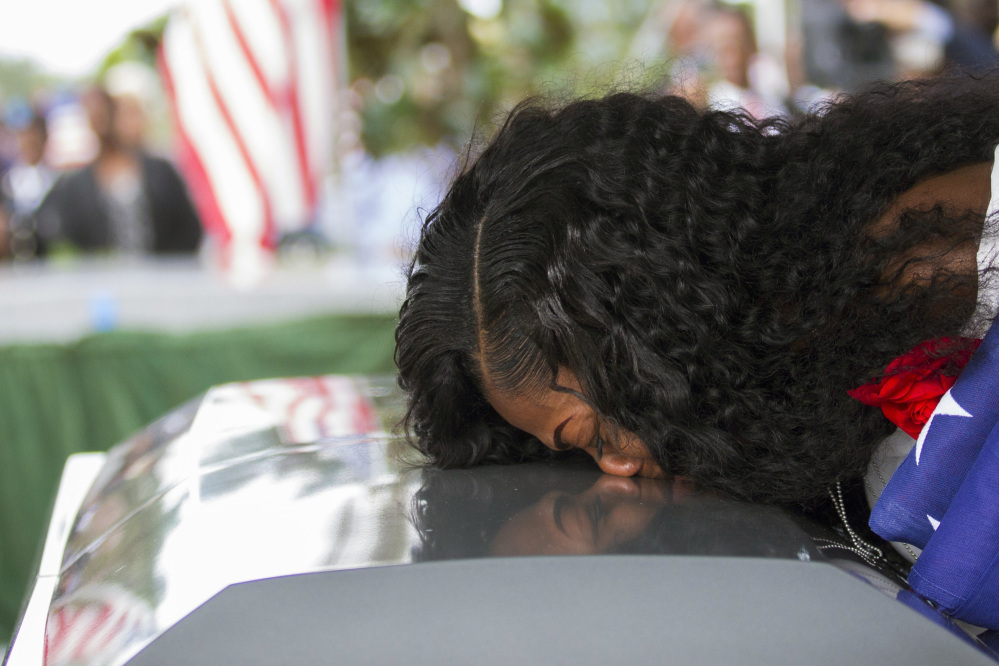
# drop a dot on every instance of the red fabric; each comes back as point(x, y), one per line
point(913, 383)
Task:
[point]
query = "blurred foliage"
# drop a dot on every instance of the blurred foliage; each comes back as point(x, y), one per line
point(429, 71)
point(426, 71)
point(23, 78)
point(140, 44)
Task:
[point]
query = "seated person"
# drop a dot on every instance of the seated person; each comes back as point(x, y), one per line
point(680, 292)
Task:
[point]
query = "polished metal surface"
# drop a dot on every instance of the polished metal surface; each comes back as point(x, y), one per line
point(28, 646)
point(267, 479)
point(222, 490)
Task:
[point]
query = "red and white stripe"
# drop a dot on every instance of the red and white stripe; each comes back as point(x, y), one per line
point(252, 88)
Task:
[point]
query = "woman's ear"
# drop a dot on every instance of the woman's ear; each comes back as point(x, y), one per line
point(619, 464)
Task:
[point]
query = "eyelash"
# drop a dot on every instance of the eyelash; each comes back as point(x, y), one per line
point(599, 445)
point(557, 437)
point(597, 442)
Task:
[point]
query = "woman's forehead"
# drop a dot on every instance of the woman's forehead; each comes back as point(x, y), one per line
point(538, 410)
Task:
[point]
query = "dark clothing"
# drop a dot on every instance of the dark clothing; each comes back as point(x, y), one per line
point(22, 189)
point(971, 49)
point(81, 215)
point(841, 53)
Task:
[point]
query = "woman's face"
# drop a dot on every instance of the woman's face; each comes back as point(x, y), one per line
point(563, 421)
point(611, 512)
point(129, 121)
point(100, 113)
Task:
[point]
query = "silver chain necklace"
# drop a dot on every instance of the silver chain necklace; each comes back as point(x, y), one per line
point(868, 552)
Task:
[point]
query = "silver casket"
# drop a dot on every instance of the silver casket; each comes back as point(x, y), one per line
point(279, 522)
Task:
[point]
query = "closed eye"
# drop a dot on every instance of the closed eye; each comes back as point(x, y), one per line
point(596, 442)
point(557, 507)
point(560, 445)
point(599, 445)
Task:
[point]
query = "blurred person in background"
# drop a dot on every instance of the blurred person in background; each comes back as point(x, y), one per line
point(22, 189)
point(127, 200)
point(731, 45)
point(835, 52)
point(983, 15)
point(6, 151)
point(714, 60)
point(927, 38)
point(682, 23)
point(974, 44)
point(8, 144)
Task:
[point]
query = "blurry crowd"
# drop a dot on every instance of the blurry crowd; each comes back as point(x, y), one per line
point(76, 175)
point(832, 46)
point(76, 172)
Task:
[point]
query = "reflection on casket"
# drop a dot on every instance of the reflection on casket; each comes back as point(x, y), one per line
point(258, 525)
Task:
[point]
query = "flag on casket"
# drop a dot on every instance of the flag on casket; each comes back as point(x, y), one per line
point(252, 89)
point(944, 497)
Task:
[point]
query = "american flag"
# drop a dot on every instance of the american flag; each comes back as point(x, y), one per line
point(252, 88)
point(944, 497)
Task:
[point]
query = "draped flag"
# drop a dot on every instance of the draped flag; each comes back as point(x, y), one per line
point(958, 569)
point(918, 494)
point(252, 89)
point(943, 498)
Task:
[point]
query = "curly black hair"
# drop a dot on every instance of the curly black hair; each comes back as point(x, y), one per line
point(715, 283)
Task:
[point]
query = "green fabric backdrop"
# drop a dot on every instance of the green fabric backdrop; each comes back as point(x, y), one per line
point(60, 399)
